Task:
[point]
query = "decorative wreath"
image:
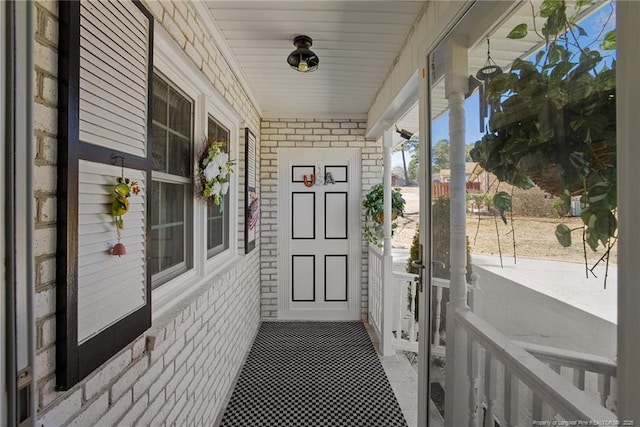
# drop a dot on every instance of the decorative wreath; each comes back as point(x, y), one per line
point(214, 167)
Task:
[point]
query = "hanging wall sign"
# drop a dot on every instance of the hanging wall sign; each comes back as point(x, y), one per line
point(317, 175)
point(252, 204)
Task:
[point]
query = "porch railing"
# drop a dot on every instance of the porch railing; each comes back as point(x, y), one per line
point(381, 299)
point(513, 383)
point(405, 326)
point(595, 375)
point(399, 301)
point(513, 386)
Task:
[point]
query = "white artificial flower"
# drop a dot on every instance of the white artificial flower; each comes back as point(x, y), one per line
point(211, 171)
point(225, 188)
point(223, 158)
point(216, 188)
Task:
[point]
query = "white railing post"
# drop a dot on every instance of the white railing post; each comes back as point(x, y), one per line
point(604, 388)
point(490, 387)
point(386, 299)
point(511, 398)
point(476, 294)
point(438, 316)
point(473, 373)
point(404, 288)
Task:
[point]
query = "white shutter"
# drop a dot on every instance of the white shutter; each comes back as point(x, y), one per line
point(109, 287)
point(114, 76)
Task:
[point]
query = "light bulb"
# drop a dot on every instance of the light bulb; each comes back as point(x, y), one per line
point(303, 66)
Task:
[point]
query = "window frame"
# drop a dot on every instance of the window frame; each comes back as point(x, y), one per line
point(224, 115)
point(226, 217)
point(171, 62)
point(164, 276)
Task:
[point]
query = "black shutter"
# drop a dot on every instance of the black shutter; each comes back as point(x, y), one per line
point(104, 109)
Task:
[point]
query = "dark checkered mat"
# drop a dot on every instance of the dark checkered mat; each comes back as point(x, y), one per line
point(313, 374)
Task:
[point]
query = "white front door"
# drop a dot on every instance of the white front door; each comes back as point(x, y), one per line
point(319, 233)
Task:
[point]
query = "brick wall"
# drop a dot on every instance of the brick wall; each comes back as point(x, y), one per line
point(199, 345)
point(276, 133)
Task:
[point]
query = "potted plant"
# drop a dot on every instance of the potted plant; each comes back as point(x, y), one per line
point(373, 203)
point(553, 122)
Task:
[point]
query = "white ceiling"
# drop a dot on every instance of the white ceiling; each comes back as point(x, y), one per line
point(356, 42)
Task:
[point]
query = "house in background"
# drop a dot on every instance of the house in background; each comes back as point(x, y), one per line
point(133, 90)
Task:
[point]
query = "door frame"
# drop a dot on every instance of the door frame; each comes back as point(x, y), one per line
point(354, 157)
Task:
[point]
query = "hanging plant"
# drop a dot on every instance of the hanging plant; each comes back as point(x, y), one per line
point(554, 123)
point(214, 168)
point(374, 212)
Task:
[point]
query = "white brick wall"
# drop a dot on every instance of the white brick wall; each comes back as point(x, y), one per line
point(276, 133)
point(201, 343)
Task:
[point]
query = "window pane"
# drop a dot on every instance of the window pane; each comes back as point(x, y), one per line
point(171, 131)
point(167, 226)
point(218, 216)
point(179, 114)
point(179, 155)
point(215, 225)
point(159, 102)
point(159, 147)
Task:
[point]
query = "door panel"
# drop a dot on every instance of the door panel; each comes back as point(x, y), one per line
point(319, 242)
point(303, 278)
point(335, 277)
point(303, 215)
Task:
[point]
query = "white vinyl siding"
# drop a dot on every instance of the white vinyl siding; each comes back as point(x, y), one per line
point(113, 76)
point(109, 287)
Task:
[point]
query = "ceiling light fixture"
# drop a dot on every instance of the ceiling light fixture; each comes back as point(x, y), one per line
point(303, 59)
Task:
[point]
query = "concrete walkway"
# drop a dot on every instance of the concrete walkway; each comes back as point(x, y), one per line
point(564, 281)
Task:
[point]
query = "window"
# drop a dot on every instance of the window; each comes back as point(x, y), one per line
point(189, 239)
point(171, 194)
point(218, 216)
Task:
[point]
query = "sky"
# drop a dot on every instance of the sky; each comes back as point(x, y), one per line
point(440, 128)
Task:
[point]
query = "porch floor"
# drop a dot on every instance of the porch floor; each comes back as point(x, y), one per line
point(313, 374)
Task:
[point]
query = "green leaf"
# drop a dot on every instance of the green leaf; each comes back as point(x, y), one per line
point(581, 30)
point(592, 239)
point(581, 3)
point(539, 56)
point(548, 7)
point(606, 225)
point(518, 32)
point(609, 42)
point(561, 70)
point(588, 218)
point(554, 53)
point(502, 202)
point(563, 234)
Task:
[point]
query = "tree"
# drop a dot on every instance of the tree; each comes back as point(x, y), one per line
point(414, 164)
point(408, 145)
point(441, 155)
